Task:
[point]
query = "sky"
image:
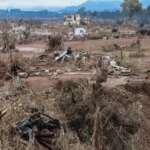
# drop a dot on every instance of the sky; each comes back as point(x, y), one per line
point(38, 3)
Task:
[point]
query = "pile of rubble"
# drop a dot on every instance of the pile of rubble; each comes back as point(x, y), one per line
point(113, 67)
point(38, 130)
point(41, 128)
point(69, 54)
point(105, 117)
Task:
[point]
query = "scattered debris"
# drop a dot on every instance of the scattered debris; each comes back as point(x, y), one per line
point(41, 128)
point(65, 54)
point(80, 33)
point(69, 54)
point(3, 113)
point(23, 74)
point(38, 71)
point(112, 65)
point(95, 95)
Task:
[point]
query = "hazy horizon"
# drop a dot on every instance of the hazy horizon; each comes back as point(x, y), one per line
point(38, 3)
point(43, 4)
point(5, 4)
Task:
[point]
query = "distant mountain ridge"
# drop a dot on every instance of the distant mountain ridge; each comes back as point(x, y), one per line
point(101, 5)
point(146, 3)
point(95, 5)
point(91, 5)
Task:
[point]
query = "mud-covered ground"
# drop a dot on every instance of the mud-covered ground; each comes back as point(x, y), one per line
point(38, 90)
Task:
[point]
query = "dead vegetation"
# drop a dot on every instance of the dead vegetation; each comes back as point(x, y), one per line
point(55, 42)
point(96, 117)
point(116, 112)
point(93, 114)
point(3, 70)
point(110, 48)
point(138, 86)
point(8, 42)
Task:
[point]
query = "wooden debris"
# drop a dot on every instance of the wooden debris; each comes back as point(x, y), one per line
point(3, 113)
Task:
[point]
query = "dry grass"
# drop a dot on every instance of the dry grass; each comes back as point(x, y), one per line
point(117, 119)
point(55, 42)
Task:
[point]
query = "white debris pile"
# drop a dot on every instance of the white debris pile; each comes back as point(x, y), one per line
point(78, 34)
point(114, 67)
point(38, 71)
point(69, 54)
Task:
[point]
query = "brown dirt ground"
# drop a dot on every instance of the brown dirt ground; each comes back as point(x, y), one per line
point(39, 84)
point(95, 47)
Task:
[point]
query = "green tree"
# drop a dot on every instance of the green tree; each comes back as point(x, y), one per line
point(131, 7)
point(148, 8)
point(94, 14)
point(82, 11)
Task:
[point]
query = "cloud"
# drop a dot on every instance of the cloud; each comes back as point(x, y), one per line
point(37, 3)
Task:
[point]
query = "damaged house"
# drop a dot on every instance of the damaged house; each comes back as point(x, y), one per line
point(75, 20)
point(72, 20)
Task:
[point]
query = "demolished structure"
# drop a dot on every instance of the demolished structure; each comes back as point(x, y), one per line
point(39, 127)
point(72, 20)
